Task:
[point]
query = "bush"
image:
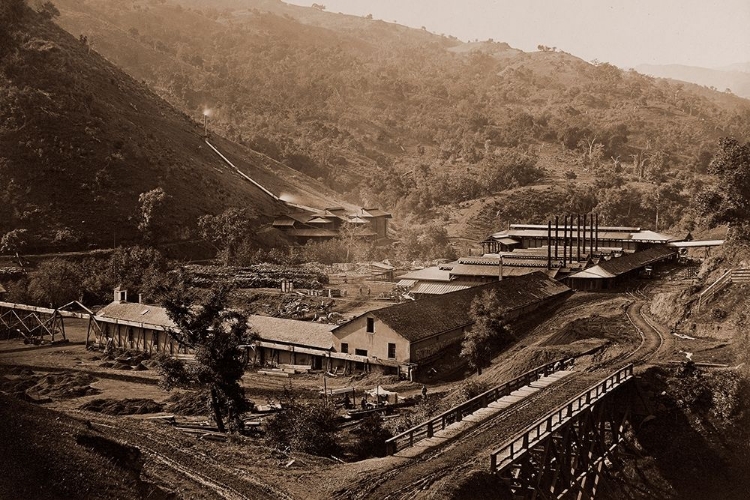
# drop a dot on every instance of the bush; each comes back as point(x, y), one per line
point(310, 428)
point(473, 388)
point(371, 438)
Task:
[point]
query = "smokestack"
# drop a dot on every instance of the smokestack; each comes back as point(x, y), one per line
point(583, 246)
point(597, 231)
point(557, 228)
point(565, 242)
point(549, 245)
point(578, 238)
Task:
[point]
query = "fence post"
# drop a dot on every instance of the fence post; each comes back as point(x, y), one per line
point(430, 430)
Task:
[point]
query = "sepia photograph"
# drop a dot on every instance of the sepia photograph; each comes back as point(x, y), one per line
point(374, 249)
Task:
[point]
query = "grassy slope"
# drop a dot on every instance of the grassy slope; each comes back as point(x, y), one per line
point(81, 140)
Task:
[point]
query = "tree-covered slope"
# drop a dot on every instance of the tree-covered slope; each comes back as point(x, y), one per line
point(80, 141)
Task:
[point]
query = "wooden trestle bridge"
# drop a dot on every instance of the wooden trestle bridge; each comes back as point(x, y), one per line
point(562, 455)
point(38, 325)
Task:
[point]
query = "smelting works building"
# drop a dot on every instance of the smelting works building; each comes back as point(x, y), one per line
point(416, 332)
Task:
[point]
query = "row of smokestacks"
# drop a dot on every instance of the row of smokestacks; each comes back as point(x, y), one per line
point(585, 233)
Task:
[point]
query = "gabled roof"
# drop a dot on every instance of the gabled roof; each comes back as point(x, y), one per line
point(424, 318)
point(290, 331)
point(133, 312)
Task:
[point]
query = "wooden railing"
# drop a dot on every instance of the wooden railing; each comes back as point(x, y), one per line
point(535, 433)
point(427, 429)
point(729, 277)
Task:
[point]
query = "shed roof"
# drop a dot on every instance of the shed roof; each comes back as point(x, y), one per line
point(432, 315)
point(427, 274)
point(290, 331)
point(313, 233)
point(146, 314)
point(375, 212)
point(284, 222)
point(628, 262)
point(2, 289)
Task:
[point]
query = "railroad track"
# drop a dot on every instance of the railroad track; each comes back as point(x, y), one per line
point(215, 479)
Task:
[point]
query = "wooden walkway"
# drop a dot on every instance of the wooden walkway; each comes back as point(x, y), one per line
point(471, 421)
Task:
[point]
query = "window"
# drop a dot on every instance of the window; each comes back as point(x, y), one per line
point(344, 347)
point(370, 325)
point(391, 351)
point(360, 352)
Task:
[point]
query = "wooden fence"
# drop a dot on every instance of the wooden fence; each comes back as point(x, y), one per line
point(726, 279)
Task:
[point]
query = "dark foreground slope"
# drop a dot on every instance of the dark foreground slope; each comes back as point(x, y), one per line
point(80, 141)
point(48, 456)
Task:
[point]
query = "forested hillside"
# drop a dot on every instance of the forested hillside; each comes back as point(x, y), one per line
point(90, 156)
point(413, 121)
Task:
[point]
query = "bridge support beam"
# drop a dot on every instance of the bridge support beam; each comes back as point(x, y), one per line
point(566, 460)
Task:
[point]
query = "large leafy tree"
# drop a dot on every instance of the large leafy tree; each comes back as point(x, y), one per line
point(228, 231)
point(729, 201)
point(215, 334)
point(486, 334)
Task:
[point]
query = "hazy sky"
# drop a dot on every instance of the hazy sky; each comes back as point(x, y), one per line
point(626, 33)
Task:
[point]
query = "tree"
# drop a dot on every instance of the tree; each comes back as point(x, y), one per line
point(56, 282)
point(49, 11)
point(150, 202)
point(487, 332)
point(13, 241)
point(215, 334)
point(228, 230)
point(729, 201)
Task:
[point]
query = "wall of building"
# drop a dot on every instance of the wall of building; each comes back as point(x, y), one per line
point(427, 349)
point(355, 334)
point(137, 338)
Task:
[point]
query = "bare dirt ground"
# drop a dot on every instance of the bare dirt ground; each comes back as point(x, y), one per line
point(605, 330)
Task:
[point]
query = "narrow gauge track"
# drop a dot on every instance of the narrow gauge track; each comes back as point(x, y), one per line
point(470, 452)
point(408, 479)
point(215, 479)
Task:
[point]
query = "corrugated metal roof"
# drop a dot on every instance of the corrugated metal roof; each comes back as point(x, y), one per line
point(137, 313)
point(423, 318)
point(407, 283)
point(438, 288)
point(290, 331)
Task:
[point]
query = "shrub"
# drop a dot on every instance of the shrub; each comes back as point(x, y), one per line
point(310, 428)
point(371, 438)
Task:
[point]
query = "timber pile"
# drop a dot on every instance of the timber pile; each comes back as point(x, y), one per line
point(260, 275)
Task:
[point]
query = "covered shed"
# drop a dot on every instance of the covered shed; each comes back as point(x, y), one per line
point(610, 272)
point(292, 342)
